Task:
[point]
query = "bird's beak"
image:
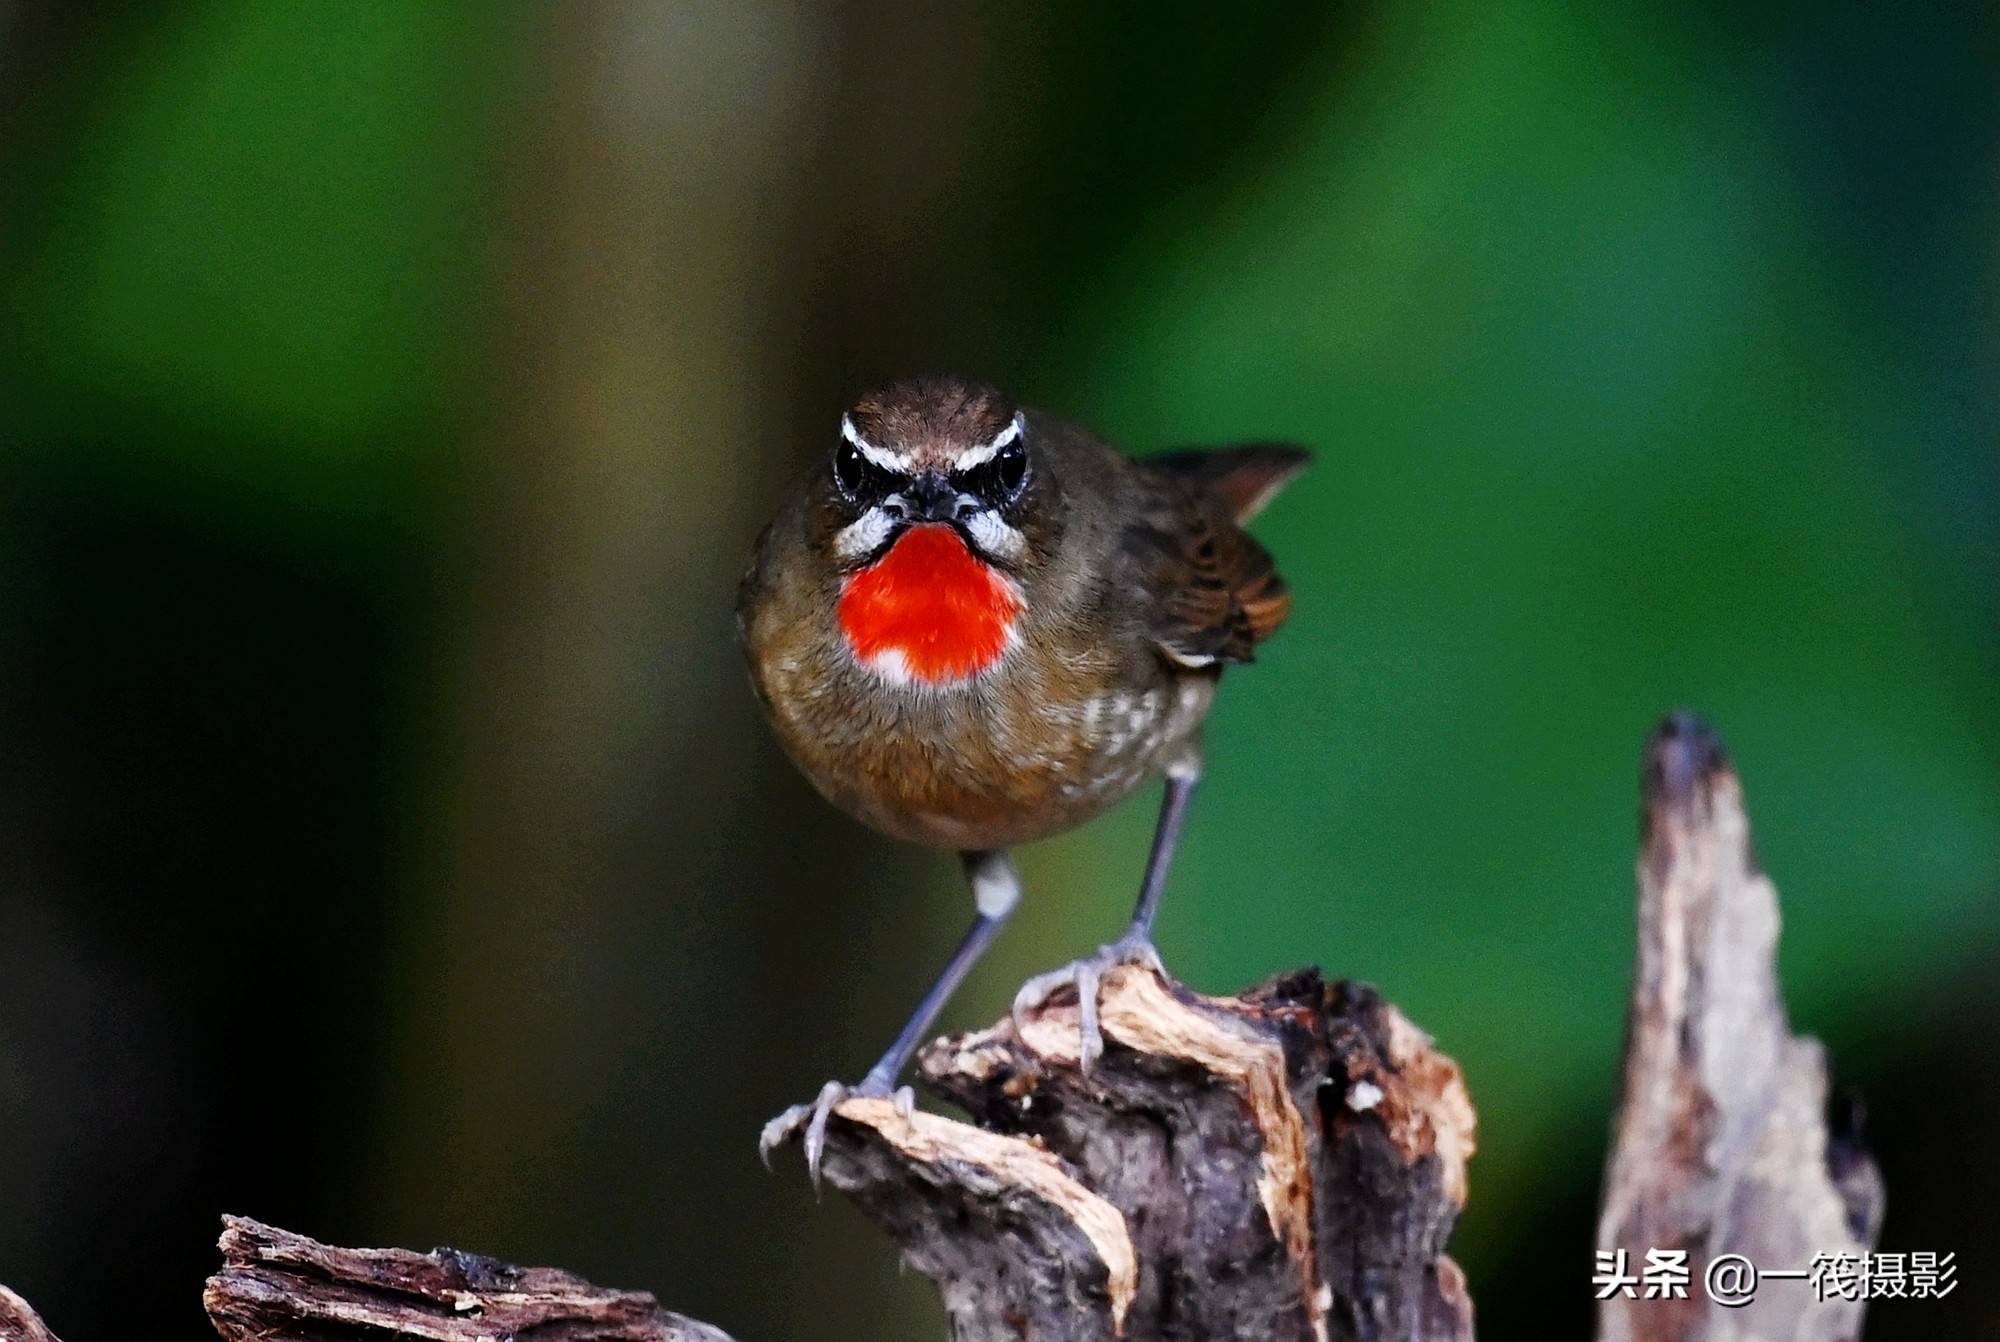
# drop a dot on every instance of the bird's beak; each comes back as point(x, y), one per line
point(933, 498)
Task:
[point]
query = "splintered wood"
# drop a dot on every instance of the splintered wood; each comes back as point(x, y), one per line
point(1286, 1164)
point(1723, 1142)
point(277, 1285)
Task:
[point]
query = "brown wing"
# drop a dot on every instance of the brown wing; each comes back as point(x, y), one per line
point(1218, 594)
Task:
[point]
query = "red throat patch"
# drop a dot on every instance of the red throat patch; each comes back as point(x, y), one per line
point(928, 610)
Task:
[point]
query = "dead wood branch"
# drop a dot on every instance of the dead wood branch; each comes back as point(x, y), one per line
point(20, 1323)
point(1723, 1143)
point(277, 1285)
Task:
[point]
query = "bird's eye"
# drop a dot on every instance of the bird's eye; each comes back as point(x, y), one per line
point(1000, 478)
point(1010, 469)
point(850, 470)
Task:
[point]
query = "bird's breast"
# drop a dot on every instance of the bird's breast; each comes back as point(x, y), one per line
point(1019, 754)
point(935, 700)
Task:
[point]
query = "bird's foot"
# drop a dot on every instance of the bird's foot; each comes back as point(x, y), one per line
point(812, 1117)
point(1134, 948)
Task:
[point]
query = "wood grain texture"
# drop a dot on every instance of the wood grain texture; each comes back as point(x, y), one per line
point(1285, 1164)
point(1724, 1141)
point(278, 1285)
point(19, 1322)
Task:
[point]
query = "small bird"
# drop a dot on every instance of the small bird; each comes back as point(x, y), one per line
point(974, 625)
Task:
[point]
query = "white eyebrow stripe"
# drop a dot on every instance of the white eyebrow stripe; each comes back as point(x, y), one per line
point(985, 452)
point(881, 456)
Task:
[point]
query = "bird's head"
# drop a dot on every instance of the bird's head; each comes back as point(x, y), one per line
point(931, 498)
point(931, 452)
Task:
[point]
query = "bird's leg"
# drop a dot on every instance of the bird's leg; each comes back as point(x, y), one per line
point(1181, 778)
point(996, 889)
point(1135, 947)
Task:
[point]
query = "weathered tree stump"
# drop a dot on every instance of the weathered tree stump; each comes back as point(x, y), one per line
point(1723, 1141)
point(1285, 1164)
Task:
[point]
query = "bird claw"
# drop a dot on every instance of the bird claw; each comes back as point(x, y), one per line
point(812, 1118)
point(1085, 976)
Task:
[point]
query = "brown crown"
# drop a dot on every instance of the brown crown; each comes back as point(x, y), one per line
point(933, 418)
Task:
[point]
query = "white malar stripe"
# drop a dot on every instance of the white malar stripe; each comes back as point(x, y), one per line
point(889, 461)
point(994, 536)
point(985, 452)
point(863, 534)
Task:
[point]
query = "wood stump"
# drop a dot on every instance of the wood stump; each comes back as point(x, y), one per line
point(1283, 1164)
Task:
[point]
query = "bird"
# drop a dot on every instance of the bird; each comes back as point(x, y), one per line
point(973, 625)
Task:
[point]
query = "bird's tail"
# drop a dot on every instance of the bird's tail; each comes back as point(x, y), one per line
point(1244, 477)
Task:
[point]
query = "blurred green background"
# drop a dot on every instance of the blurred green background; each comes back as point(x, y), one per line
point(388, 844)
